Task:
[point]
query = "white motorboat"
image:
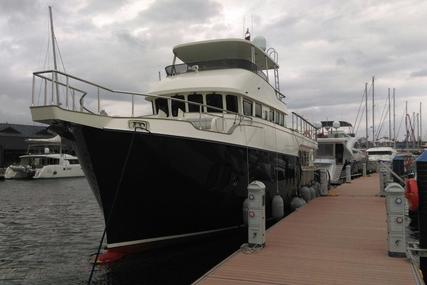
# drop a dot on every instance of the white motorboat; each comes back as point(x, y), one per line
point(44, 159)
point(338, 147)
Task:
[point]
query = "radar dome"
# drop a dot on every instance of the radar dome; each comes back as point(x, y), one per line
point(336, 125)
point(261, 42)
point(317, 125)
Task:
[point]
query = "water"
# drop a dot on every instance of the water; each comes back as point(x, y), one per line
point(49, 229)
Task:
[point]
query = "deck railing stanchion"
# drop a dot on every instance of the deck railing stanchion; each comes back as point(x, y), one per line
point(133, 105)
point(66, 92)
point(99, 102)
point(53, 87)
point(32, 94)
point(45, 92)
point(200, 117)
point(74, 99)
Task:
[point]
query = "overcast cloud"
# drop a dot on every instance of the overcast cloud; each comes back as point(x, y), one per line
point(327, 49)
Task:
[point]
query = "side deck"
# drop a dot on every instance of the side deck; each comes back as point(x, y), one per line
point(338, 239)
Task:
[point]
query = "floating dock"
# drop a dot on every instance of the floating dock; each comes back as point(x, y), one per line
point(337, 239)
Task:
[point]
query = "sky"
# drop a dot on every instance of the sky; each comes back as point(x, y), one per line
point(327, 49)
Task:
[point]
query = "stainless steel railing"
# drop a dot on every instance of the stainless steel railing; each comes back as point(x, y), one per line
point(54, 95)
point(302, 126)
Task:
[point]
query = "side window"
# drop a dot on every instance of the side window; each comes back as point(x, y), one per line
point(266, 112)
point(231, 102)
point(282, 119)
point(258, 110)
point(197, 98)
point(162, 104)
point(247, 107)
point(214, 100)
point(276, 117)
point(271, 117)
point(177, 105)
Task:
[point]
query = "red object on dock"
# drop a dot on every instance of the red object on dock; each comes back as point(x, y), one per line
point(411, 194)
point(110, 256)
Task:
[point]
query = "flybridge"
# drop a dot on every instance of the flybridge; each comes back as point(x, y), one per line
point(227, 53)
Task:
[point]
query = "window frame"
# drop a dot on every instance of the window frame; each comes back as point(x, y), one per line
point(251, 104)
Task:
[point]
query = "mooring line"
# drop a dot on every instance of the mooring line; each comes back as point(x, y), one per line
point(112, 206)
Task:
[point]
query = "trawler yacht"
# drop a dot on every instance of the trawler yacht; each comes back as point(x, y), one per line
point(44, 159)
point(217, 121)
point(338, 147)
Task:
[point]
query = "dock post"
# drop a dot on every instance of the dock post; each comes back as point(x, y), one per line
point(395, 206)
point(364, 169)
point(421, 165)
point(256, 214)
point(348, 173)
point(323, 182)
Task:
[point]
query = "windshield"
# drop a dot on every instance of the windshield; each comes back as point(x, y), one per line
point(213, 65)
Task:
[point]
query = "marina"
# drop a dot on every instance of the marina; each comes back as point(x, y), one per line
point(185, 152)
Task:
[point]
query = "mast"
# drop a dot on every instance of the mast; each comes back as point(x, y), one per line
point(413, 131)
point(366, 113)
point(394, 118)
point(373, 110)
point(389, 115)
point(421, 125)
point(406, 125)
point(54, 55)
point(418, 130)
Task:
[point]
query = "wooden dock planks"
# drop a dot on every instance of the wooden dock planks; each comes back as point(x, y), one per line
point(338, 239)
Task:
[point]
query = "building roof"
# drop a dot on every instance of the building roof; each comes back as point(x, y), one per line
point(12, 136)
point(223, 49)
point(20, 130)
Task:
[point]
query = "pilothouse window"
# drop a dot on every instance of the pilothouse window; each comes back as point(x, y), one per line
point(197, 98)
point(162, 104)
point(231, 102)
point(258, 110)
point(247, 108)
point(214, 100)
point(177, 105)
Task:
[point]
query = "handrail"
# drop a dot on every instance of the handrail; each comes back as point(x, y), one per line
point(201, 106)
point(303, 126)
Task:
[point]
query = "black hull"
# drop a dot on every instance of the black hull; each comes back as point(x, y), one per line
point(174, 186)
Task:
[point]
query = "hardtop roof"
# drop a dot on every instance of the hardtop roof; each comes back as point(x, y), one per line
point(223, 49)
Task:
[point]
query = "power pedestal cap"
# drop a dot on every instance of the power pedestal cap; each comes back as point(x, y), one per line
point(394, 188)
point(256, 185)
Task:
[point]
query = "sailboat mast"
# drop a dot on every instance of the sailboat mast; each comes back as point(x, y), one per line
point(366, 113)
point(406, 125)
point(373, 110)
point(54, 55)
point(421, 125)
point(389, 115)
point(394, 118)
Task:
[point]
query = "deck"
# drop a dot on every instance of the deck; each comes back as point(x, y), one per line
point(338, 239)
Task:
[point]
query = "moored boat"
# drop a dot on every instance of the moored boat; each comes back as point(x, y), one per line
point(215, 124)
point(44, 159)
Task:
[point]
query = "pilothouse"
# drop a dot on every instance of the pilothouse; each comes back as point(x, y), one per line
point(218, 122)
